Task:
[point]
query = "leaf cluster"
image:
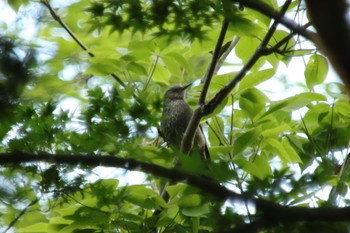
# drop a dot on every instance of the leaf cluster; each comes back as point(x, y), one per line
point(174, 18)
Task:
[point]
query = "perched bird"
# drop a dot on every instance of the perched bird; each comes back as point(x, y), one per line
point(176, 116)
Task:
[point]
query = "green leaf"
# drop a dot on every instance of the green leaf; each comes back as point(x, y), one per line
point(246, 47)
point(60, 221)
point(282, 149)
point(190, 200)
point(220, 152)
point(106, 184)
point(294, 103)
point(216, 131)
point(179, 59)
point(293, 155)
point(103, 66)
point(38, 227)
point(312, 117)
point(144, 46)
point(342, 108)
point(175, 190)
point(295, 141)
point(274, 132)
point(255, 78)
point(174, 67)
point(16, 4)
point(245, 140)
point(316, 70)
point(137, 69)
point(68, 210)
point(143, 197)
point(220, 80)
point(258, 166)
point(252, 101)
point(196, 211)
point(161, 75)
point(243, 26)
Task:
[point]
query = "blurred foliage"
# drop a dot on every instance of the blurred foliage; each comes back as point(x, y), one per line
point(14, 73)
point(55, 98)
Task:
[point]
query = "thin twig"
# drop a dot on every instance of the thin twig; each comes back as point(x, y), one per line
point(56, 17)
point(150, 75)
point(13, 222)
point(279, 44)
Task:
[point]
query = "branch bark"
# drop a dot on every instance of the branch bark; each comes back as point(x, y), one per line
point(174, 174)
point(267, 211)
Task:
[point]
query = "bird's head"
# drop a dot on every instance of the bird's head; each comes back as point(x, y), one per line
point(176, 92)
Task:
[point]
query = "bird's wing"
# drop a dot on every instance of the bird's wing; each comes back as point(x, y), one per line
point(202, 143)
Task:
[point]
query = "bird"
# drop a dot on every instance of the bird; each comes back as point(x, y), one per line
point(176, 117)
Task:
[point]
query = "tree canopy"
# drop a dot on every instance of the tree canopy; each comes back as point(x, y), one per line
point(81, 90)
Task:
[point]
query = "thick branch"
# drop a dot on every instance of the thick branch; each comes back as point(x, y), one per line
point(266, 210)
point(208, 186)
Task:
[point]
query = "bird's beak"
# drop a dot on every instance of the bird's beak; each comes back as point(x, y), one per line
point(186, 86)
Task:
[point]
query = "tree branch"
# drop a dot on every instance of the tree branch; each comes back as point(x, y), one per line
point(279, 44)
point(266, 210)
point(13, 222)
point(174, 174)
point(265, 9)
point(56, 17)
point(187, 140)
point(225, 91)
point(216, 55)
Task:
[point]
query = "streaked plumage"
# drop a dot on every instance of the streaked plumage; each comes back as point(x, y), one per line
point(176, 116)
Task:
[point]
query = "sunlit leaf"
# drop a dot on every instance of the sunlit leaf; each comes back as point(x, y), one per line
point(245, 140)
point(252, 101)
point(38, 227)
point(295, 102)
point(196, 211)
point(253, 79)
point(316, 70)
